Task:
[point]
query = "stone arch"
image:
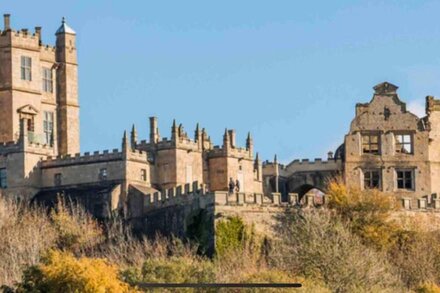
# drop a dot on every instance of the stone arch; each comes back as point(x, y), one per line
point(303, 182)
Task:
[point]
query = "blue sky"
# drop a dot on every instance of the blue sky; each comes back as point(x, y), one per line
point(289, 72)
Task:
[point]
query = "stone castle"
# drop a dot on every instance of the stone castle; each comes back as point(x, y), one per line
point(387, 147)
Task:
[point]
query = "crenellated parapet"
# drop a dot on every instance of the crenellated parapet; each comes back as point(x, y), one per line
point(174, 196)
point(23, 38)
point(10, 147)
point(87, 157)
point(239, 152)
point(184, 194)
point(303, 165)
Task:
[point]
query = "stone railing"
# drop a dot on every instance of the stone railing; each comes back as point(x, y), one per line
point(427, 202)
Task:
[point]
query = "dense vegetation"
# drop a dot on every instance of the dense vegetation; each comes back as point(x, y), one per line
point(356, 245)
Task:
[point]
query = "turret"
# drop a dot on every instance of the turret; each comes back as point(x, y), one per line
point(67, 81)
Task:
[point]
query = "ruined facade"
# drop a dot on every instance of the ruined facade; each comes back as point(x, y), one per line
point(39, 138)
point(387, 147)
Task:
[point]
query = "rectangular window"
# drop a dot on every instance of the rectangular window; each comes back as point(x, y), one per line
point(3, 178)
point(103, 174)
point(26, 68)
point(143, 174)
point(47, 80)
point(370, 144)
point(371, 179)
point(405, 179)
point(404, 143)
point(57, 179)
point(48, 127)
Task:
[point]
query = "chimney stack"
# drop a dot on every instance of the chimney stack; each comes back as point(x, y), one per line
point(7, 21)
point(38, 33)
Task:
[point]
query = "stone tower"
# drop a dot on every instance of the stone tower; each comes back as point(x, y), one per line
point(67, 99)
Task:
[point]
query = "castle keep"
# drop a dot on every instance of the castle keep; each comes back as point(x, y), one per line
point(387, 147)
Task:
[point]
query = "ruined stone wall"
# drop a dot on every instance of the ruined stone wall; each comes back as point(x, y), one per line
point(387, 116)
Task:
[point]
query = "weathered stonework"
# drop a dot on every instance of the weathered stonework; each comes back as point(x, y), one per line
point(39, 138)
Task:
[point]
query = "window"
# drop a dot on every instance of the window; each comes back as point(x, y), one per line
point(57, 179)
point(47, 80)
point(143, 174)
point(371, 179)
point(405, 179)
point(48, 127)
point(3, 179)
point(103, 174)
point(26, 68)
point(370, 144)
point(404, 143)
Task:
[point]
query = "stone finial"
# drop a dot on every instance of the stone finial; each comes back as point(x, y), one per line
point(385, 88)
point(226, 141)
point(64, 28)
point(232, 137)
point(133, 136)
point(249, 141)
point(125, 142)
point(174, 130)
point(197, 133)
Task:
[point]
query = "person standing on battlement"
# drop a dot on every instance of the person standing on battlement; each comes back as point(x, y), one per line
point(231, 185)
point(237, 186)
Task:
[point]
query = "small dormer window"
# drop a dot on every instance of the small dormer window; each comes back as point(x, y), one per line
point(26, 68)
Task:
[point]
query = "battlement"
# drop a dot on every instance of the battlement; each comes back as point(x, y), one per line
point(316, 161)
point(174, 196)
point(239, 152)
point(87, 157)
point(22, 38)
point(135, 154)
point(10, 147)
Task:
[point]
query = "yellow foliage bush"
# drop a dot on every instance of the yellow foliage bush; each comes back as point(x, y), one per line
point(428, 288)
point(366, 211)
point(62, 272)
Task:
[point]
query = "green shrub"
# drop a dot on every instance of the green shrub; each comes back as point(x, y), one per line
point(230, 234)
